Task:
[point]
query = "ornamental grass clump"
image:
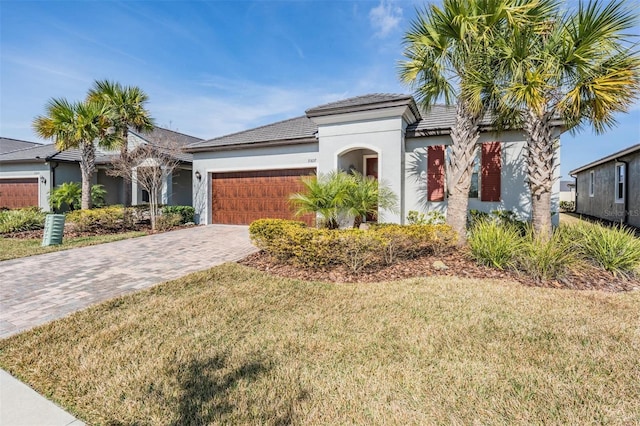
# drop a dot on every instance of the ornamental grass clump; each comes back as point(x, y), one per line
point(547, 259)
point(616, 249)
point(495, 244)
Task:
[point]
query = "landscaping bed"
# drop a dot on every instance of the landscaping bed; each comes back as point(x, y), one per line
point(459, 264)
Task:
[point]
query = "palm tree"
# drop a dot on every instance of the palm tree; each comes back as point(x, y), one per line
point(77, 126)
point(579, 67)
point(366, 196)
point(127, 104)
point(443, 48)
point(324, 195)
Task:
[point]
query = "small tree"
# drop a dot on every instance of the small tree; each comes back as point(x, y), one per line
point(147, 166)
point(337, 195)
point(366, 196)
point(69, 195)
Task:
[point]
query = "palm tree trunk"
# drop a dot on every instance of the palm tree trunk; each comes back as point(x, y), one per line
point(541, 166)
point(87, 167)
point(464, 135)
point(126, 180)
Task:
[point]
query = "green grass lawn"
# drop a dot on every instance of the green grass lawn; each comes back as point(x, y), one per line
point(13, 248)
point(235, 346)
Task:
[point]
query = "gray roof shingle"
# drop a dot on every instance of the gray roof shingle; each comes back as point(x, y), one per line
point(294, 129)
point(361, 103)
point(9, 145)
point(35, 154)
point(46, 152)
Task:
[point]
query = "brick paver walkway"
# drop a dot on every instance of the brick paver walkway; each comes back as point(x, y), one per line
point(37, 289)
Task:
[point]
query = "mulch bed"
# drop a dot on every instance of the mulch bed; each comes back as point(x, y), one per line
point(459, 264)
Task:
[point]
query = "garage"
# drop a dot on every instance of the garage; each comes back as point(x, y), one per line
point(18, 193)
point(239, 198)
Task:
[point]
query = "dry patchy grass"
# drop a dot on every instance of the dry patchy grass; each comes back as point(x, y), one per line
point(13, 248)
point(237, 346)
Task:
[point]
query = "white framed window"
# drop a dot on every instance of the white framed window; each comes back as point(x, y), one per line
point(474, 189)
point(592, 183)
point(620, 180)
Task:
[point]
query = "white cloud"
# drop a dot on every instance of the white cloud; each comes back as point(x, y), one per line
point(226, 106)
point(385, 17)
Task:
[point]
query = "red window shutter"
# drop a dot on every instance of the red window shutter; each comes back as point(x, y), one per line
point(435, 173)
point(491, 170)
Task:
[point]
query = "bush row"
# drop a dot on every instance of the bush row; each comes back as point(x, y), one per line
point(19, 220)
point(505, 246)
point(291, 241)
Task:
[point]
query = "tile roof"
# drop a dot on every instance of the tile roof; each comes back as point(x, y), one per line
point(360, 103)
point(298, 128)
point(45, 152)
point(35, 154)
point(9, 145)
point(163, 137)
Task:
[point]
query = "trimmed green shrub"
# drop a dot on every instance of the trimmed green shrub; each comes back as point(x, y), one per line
point(617, 249)
point(495, 244)
point(431, 218)
point(168, 220)
point(110, 218)
point(20, 220)
point(186, 212)
point(567, 206)
point(356, 249)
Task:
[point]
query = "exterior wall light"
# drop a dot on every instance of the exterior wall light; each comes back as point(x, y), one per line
point(198, 175)
point(43, 179)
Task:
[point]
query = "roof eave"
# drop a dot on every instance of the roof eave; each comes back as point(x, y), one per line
point(625, 152)
point(258, 144)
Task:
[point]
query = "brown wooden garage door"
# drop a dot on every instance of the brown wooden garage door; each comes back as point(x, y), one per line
point(17, 193)
point(239, 198)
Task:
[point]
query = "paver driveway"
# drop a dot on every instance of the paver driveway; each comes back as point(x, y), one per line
point(37, 289)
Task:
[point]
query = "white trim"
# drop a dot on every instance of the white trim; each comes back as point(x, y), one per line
point(619, 200)
point(209, 179)
point(313, 165)
point(592, 183)
point(36, 176)
point(354, 147)
point(364, 163)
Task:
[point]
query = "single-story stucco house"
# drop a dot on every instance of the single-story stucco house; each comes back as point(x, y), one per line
point(27, 175)
point(248, 175)
point(609, 188)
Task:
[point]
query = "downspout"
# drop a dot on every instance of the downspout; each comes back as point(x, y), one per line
point(626, 190)
point(575, 198)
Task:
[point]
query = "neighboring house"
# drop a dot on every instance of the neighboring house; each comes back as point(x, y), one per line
point(609, 188)
point(567, 191)
point(9, 145)
point(28, 175)
point(249, 175)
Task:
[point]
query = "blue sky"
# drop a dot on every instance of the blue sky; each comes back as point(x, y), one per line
point(215, 67)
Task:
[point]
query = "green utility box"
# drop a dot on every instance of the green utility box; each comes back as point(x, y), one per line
point(53, 230)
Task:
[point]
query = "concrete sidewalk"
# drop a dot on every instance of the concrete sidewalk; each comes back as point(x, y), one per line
point(22, 406)
point(38, 289)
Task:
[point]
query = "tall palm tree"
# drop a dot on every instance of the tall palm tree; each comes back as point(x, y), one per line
point(127, 104)
point(77, 126)
point(581, 68)
point(443, 47)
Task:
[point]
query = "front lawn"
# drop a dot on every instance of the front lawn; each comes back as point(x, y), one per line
point(236, 346)
point(13, 248)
